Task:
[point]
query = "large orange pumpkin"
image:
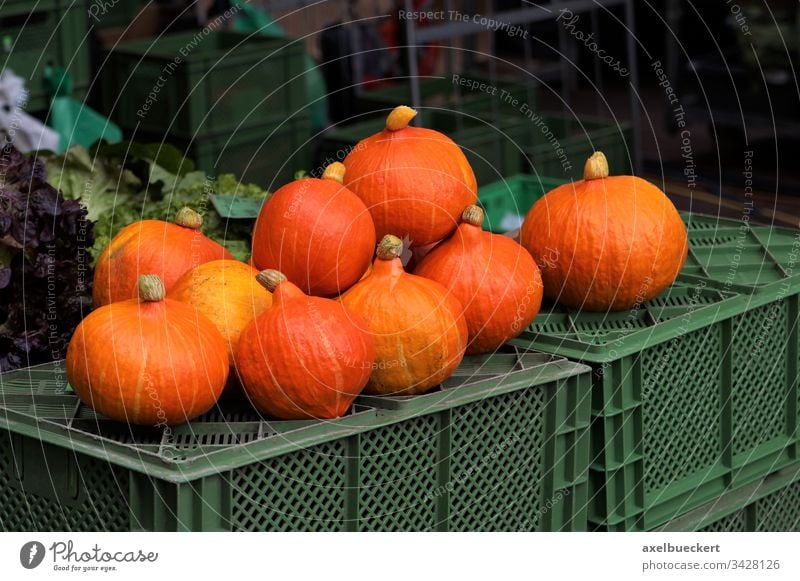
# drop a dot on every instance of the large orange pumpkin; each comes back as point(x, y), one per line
point(304, 357)
point(152, 246)
point(415, 181)
point(151, 361)
point(494, 278)
point(316, 232)
point(605, 243)
point(225, 291)
point(419, 331)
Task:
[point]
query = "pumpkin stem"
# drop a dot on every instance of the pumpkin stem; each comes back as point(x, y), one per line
point(390, 247)
point(151, 288)
point(270, 279)
point(473, 215)
point(596, 167)
point(188, 218)
point(399, 118)
point(335, 172)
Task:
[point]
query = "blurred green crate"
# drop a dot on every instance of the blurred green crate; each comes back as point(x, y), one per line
point(191, 84)
point(106, 14)
point(559, 145)
point(770, 505)
point(442, 92)
point(493, 148)
point(503, 445)
point(506, 202)
point(47, 32)
point(694, 392)
point(742, 257)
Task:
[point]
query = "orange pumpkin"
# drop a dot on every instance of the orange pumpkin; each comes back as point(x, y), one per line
point(225, 291)
point(304, 357)
point(152, 246)
point(419, 331)
point(414, 181)
point(494, 278)
point(309, 214)
point(151, 361)
point(605, 243)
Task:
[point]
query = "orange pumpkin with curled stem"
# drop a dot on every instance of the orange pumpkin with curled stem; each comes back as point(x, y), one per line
point(152, 246)
point(225, 291)
point(419, 331)
point(304, 357)
point(415, 181)
point(309, 214)
point(150, 360)
point(494, 278)
point(605, 242)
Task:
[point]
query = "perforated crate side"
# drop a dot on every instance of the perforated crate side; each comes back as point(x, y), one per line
point(780, 511)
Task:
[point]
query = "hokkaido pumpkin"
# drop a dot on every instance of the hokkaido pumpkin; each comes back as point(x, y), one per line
point(152, 246)
point(605, 243)
point(225, 291)
point(419, 331)
point(494, 278)
point(151, 360)
point(306, 216)
point(304, 357)
point(414, 181)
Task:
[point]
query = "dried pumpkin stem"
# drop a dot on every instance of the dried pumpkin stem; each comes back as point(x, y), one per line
point(270, 279)
point(151, 288)
point(596, 167)
point(188, 218)
point(399, 118)
point(472, 215)
point(390, 247)
point(335, 172)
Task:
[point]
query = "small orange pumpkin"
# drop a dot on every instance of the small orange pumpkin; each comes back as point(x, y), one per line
point(306, 215)
point(420, 333)
point(414, 181)
point(494, 278)
point(152, 246)
point(304, 357)
point(605, 243)
point(225, 291)
point(152, 360)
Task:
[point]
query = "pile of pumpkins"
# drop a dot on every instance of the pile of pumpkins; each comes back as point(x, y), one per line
point(318, 316)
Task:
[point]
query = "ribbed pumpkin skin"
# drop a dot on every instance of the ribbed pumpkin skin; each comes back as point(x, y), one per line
point(414, 181)
point(150, 363)
point(305, 216)
point(605, 244)
point(420, 334)
point(227, 293)
point(494, 279)
point(304, 357)
point(149, 246)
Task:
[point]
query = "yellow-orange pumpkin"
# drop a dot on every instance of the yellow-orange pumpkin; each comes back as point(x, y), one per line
point(419, 331)
point(605, 243)
point(304, 357)
point(414, 181)
point(309, 214)
point(152, 247)
point(151, 361)
point(494, 278)
point(225, 291)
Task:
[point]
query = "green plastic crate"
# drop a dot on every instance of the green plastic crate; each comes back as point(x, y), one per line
point(770, 505)
point(502, 445)
point(742, 257)
point(47, 32)
point(105, 14)
point(560, 145)
point(692, 394)
point(206, 84)
point(506, 202)
point(493, 147)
